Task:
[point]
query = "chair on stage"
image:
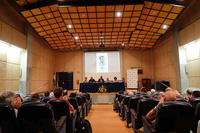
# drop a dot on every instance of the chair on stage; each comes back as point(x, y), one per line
point(144, 106)
point(176, 117)
point(38, 117)
point(61, 108)
point(8, 121)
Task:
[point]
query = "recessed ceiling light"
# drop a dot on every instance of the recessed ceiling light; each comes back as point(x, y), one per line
point(81, 45)
point(101, 37)
point(101, 25)
point(49, 16)
point(132, 24)
point(69, 26)
point(118, 14)
point(164, 27)
point(76, 37)
point(83, 15)
point(122, 44)
point(22, 2)
point(154, 13)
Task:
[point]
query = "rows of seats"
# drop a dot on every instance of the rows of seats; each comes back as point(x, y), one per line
point(174, 116)
point(45, 115)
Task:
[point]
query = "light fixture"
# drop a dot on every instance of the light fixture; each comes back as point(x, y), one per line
point(101, 37)
point(118, 14)
point(69, 26)
point(76, 37)
point(81, 45)
point(122, 44)
point(48, 16)
point(164, 26)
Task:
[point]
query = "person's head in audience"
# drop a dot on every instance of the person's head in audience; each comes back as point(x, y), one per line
point(189, 92)
point(58, 92)
point(195, 94)
point(153, 91)
point(143, 89)
point(177, 93)
point(91, 77)
point(10, 97)
point(35, 96)
point(168, 89)
point(46, 93)
point(115, 79)
point(130, 93)
point(65, 92)
point(169, 96)
point(101, 77)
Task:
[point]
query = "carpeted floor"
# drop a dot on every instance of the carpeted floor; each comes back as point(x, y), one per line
point(104, 120)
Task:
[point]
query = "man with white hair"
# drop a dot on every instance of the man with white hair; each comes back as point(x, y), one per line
point(11, 98)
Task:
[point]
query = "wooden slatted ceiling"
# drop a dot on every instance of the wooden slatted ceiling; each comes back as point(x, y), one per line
point(26, 2)
point(133, 27)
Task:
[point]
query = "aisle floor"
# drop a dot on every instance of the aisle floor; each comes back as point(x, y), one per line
point(104, 120)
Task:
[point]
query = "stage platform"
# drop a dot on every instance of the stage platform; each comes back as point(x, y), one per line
point(102, 98)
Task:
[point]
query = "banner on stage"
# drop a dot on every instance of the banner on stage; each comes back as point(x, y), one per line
point(102, 62)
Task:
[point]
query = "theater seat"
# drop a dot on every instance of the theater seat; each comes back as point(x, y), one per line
point(80, 104)
point(181, 99)
point(197, 117)
point(121, 107)
point(74, 103)
point(8, 121)
point(84, 109)
point(61, 108)
point(46, 99)
point(133, 102)
point(194, 102)
point(171, 117)
point(38, 117)
point(144, 106)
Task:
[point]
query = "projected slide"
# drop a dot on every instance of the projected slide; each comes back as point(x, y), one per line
point(106, 64)
point(102, 62)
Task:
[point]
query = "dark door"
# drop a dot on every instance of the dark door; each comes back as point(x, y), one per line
point(65, 80)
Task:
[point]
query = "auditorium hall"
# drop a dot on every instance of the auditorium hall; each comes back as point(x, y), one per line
point(99, 66)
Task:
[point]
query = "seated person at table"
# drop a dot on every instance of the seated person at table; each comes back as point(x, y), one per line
point(107, 80)
point(168, 96)
point(115, 79)
point(92, 80)
point(101, 80)
point(58, 93)
point(85, 81)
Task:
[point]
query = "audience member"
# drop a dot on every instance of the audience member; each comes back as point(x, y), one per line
point(92, 80)
point(85, 80)
point(195, 94)
point(168, 89)
point(107, 80)
point(143, 89)
point(101, 80)
point(130, 93)
point(168, 96)
point(35, 97)
point(51, 94)
point(152, 91)
point(65, 94)
point(188, 95)
point(177, 93)
point(10, 97)
point(46, 93)
point(115, 79)
point(58, 93)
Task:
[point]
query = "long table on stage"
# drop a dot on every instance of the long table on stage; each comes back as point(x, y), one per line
point(93, 87)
